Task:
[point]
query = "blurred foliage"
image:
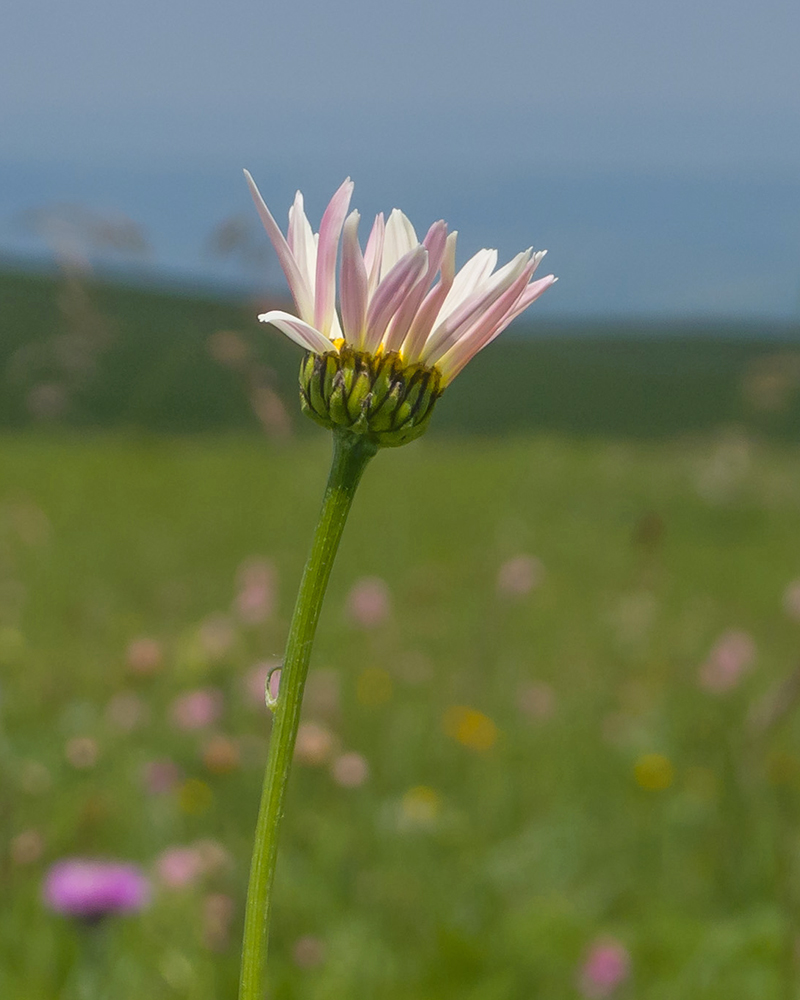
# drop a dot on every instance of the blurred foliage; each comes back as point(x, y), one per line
point(554, 695)
point(550, 760)
point(102, 355)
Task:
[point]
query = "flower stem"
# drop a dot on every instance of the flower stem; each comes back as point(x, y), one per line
point(351, 453)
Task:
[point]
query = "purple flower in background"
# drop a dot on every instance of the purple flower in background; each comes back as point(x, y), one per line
point(90, 889)
point(606, 967)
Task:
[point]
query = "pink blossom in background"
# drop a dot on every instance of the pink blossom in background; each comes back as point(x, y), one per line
point(315, 744)
point(144, 656)
point(518, 576)
point(90, 889)
point(369, 603)
point(217, 635)
point(178, 867)
point(256, 679)
point(161, 776)
point(606, 967)
point(218, 913)
point(82, 752)
point(255, 599)
point(126, 711)
point(350, 770)
point(732, 655)
point(537, 700)
point(791, 600)
point(213, 856)
point(308, 952)
point(197, 709)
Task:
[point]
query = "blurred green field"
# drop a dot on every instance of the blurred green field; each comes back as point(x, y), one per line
point(545, 766)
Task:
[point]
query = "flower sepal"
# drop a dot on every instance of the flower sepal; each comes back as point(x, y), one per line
point(372, 395)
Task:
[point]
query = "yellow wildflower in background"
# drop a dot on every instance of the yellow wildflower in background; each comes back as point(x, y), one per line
point(470, 727)
point(654, 772)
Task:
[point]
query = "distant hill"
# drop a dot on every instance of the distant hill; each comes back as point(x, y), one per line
point(85, 354)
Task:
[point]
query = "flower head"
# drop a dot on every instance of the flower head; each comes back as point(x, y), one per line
point(90, 889)
point(606, 967)
point(404, 322)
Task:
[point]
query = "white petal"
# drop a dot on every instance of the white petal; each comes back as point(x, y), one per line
point(302, 242)
point(400, 238)
point(298, 331)
point(472, 274)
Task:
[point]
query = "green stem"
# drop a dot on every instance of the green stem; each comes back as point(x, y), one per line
point(351, 454)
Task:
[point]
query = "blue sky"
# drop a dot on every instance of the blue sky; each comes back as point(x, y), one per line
point(414, 100)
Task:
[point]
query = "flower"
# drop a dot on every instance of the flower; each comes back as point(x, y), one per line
point(350, 770)
point(654, 772)
point(519, 575)
point(197, 709)
point(732, 655)
point(470, 727)
point(161, 776)
point(407, 323)
point(369, 603)
point(91, 889)
point(183, 865)
point(255, 600)
point(144, 655)
point(606, 967)
point(179, 866)
point(315, 744)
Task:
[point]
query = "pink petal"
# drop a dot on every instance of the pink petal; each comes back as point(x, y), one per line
point(329, 231)
point(456, 325)
point(353, 284)
point(492, 324)
point(434, 243)
point(298, 331)
point(390, 293)
point(432, 304)
point(298, 285)
point(531, 294)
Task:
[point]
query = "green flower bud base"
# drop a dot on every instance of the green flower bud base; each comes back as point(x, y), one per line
point(375, 395)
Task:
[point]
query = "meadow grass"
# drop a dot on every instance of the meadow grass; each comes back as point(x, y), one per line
point(514, 810)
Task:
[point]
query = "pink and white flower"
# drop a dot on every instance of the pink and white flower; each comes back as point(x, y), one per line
point(398, 294)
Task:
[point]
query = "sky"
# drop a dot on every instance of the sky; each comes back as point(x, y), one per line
point(502, 113)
